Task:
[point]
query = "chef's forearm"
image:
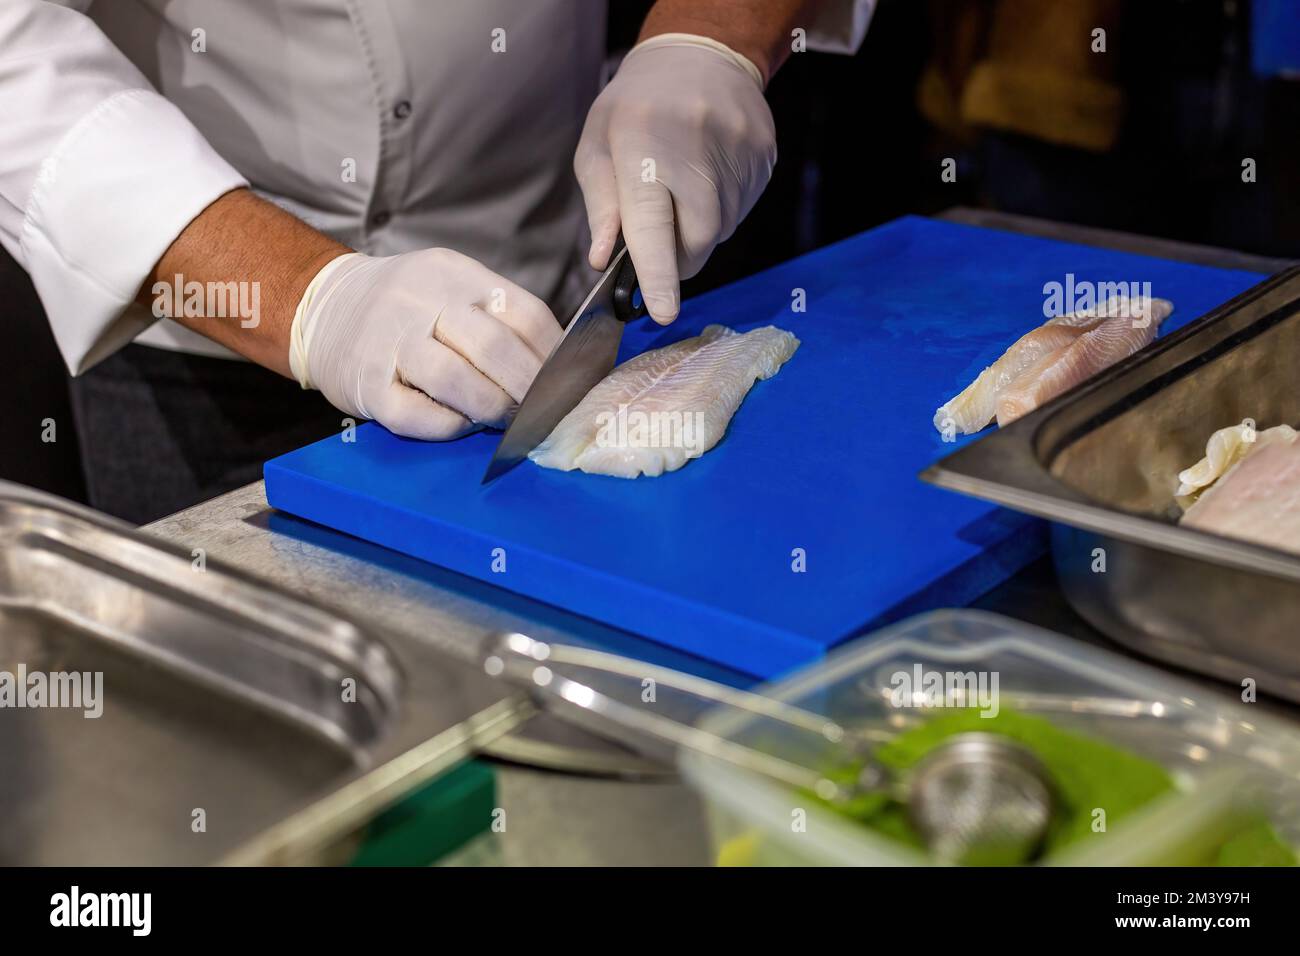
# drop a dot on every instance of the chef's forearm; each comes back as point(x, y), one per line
point(269, 256)
point(757, 29)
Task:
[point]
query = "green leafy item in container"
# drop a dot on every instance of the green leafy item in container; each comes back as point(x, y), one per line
point(1086, 774)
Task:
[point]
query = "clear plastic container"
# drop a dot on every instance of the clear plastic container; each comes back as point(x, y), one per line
point(1219, 751)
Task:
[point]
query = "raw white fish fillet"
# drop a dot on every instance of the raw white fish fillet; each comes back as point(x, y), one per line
point(1097, 348)
point(977, 404)
point(1258, 500)
point(656, 411)
point(1225, 448)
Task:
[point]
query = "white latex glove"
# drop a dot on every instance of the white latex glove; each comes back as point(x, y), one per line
point(675, 152)
point(430, 344)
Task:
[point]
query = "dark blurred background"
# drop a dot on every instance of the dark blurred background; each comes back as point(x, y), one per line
point(1148, 137)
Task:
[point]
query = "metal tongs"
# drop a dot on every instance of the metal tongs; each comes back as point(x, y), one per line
point(977, 798)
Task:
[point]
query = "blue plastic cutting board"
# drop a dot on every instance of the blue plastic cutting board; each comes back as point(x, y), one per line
point(821, 458)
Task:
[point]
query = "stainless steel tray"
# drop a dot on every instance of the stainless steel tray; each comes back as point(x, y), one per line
point(223, 702)
point(1101, 461)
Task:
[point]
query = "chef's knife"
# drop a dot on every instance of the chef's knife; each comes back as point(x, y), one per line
point(584, 355)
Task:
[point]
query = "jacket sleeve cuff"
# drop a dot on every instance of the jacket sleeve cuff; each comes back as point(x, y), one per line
point(839, 26)
point(121, 185)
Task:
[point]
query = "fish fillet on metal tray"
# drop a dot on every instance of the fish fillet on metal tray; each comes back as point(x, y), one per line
point(1103, 463)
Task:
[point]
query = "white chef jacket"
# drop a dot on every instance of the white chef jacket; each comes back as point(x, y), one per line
point(390, 125)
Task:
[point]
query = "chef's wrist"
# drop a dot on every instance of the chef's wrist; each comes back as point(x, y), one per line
point(310, 273)
point(303, 322)
point(243, 241)
point(745, 64)
point(758, 30)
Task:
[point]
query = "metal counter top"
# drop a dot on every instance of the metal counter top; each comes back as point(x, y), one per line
point(600, 815)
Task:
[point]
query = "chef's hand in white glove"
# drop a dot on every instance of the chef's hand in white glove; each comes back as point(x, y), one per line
point(675, 152)
point(430, 344)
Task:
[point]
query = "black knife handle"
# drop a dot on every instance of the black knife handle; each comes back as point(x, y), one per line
point(625, 286)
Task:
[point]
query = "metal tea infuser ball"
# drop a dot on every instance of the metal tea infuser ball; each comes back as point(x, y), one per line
point(975, 799)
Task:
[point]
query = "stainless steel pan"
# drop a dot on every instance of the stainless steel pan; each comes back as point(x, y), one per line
point(232, 721)
point(1100, 462)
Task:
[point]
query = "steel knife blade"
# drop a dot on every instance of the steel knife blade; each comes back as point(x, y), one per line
point(584, 355)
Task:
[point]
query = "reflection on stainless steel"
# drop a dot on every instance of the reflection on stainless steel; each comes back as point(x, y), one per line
point(976, 799)
point(227, 705)
point(530, 664)
point(414, 603)
point(1101, 463)
point(700, 687)
point(584, 355)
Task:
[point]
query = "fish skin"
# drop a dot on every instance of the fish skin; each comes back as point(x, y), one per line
point(709, 374)
point(1258, 500)
point(1096, 349)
